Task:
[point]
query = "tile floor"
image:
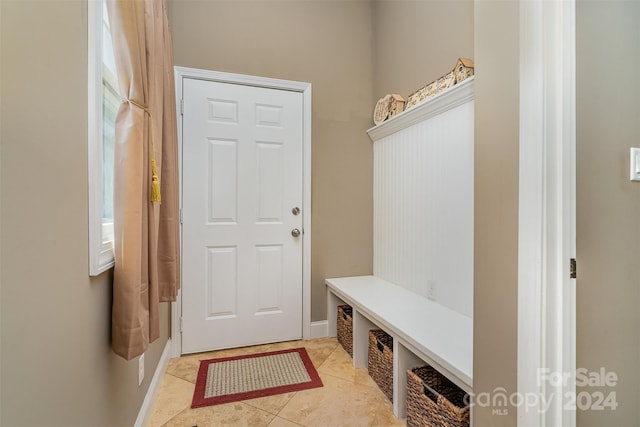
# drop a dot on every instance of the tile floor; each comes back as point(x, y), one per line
point(349, 396)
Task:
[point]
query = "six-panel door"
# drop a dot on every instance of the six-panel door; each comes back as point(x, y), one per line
point(242, 180)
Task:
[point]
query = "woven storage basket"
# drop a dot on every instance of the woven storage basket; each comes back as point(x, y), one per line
point(433, 400)
point(345, 328)
point(380, 363)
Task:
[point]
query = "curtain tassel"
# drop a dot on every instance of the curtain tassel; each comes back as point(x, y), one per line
point(155, 183)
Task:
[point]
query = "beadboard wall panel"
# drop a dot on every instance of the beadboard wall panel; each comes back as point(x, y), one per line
point(423, 207)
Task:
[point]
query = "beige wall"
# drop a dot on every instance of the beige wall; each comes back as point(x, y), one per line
point(326, 43)
point(608, 204)
point(496, 204)
point(417, 41)
point(57, 367)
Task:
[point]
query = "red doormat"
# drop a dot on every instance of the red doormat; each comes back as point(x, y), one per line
point(230, 379)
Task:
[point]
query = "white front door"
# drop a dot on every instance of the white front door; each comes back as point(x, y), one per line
point(242, 195)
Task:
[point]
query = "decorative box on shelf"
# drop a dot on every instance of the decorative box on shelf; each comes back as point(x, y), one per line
point(463, 69)
point(387, 107)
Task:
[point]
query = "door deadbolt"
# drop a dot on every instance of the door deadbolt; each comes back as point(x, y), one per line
point(295, 210)
point(295, 232)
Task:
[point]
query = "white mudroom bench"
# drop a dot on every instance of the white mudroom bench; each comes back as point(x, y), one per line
point(422, 330)
point(423, 193)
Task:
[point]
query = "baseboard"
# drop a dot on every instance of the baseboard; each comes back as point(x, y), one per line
point(319, 329)
point(154, 388)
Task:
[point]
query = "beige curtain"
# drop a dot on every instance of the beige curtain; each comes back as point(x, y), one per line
point(146, 232)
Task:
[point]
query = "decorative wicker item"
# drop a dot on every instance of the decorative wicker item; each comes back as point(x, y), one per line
point(345, 328)
point(433, 400)
point(380, 363)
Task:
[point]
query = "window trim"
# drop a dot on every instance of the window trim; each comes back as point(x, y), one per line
point(101, 254)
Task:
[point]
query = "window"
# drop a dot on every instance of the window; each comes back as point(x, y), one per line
point(103, 107)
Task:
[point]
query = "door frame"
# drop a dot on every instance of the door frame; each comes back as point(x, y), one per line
point(547, 221)
point(304, 88)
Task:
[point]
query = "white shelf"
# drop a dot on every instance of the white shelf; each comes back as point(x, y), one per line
point(444, 101)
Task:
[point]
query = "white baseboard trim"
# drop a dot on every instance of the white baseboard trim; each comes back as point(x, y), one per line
point(319, 329)
point(144, 416)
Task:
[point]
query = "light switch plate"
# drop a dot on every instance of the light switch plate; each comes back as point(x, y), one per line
point(634, 164)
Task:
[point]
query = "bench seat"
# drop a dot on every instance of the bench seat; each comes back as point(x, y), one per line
point(422, 330)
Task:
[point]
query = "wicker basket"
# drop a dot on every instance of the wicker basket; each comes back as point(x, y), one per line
point(433, 400)
point(345, 328)
point(380, 363)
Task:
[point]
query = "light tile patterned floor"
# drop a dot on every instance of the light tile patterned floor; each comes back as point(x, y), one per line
point(348, 398)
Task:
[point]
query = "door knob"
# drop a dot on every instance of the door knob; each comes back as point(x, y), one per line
point(295, 232)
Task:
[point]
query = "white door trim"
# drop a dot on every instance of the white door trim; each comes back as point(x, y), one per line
point(546, 238)
point(304, 88)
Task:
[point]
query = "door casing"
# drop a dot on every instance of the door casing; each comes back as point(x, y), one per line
point(547, 188)
point(305, 88)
